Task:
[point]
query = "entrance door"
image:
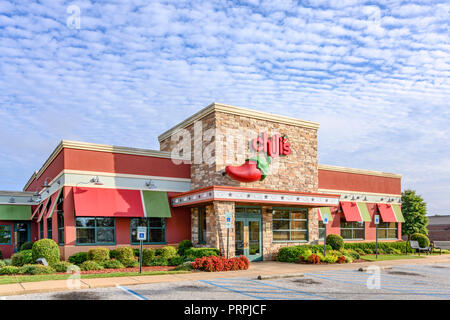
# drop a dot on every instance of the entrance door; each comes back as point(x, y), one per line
point(248, 233)
point(21, 234)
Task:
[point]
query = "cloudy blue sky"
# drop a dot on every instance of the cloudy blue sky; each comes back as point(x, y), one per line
point(375, 74)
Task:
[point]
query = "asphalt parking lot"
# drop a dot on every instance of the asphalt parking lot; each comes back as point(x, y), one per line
point(404, 282)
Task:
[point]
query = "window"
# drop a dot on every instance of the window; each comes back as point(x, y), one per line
point(41, 229)
point(50, 228)
point(95, 230)
point(387, 230)
point(352, 230)
point(202, 225)
point(290, 224)
point(60, 217)
point(321, 230)
point(5, 235)
point(156, 229)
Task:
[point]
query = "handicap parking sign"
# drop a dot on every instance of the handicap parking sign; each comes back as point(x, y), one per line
point(377, 219)
point(142, 233)
point(325, 220)
point(228, 220)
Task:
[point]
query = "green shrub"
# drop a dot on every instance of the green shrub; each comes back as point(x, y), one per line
point(98, 254)
point(8, 262)
point(185, 266)
point(22, 258)
point(193, 253)
point(348, 259)
point(61, 266)
point(112, 254)
point(175, 261)
point(183, 246)
point(421, 239)
point(305, 254)
point(330, 258)
point(292, 253)
point(166, 252)
point(91, 265)
point(136, 252)
point(113, 264)
point(392, 251)
point(26, 246)
point(125, 255)
point(354, 254)
point(36, 269)
point(159, 261)
point(46, 248)
point(2, 264)
point(78, 258)
point(364, 247)
point(9, 270)
point(147, 256)
point(130, 263)
point(335, 241)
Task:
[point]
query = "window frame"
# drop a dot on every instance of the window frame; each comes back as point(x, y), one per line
point(148, 231)
point(50, 228)
point(387, 229)
point(10, 234)
point(201, 211)
point(353, 230)
point(290, 230)
point(96, 243)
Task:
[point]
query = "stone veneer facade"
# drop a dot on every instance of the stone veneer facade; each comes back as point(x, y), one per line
point(220, 130)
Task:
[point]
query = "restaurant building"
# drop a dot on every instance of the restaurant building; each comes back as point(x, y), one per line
point(258, 168)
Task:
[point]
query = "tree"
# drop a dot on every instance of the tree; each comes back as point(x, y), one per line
point(414, 210)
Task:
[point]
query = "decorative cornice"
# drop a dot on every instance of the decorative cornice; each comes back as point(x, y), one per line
point(250, 195)
point(224, 108)
point(359, 171)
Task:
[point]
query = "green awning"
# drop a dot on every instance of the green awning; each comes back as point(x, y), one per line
point(55, 198)
point(398, 212)
point(325, 211)
point(362, 206)
point(156, 204)
point(14, 212)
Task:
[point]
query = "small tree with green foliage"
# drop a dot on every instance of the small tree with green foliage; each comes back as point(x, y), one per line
point(414, 210)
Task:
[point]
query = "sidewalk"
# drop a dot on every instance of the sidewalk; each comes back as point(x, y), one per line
point(266, 268)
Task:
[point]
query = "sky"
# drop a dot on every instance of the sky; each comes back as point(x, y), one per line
point(374, 74)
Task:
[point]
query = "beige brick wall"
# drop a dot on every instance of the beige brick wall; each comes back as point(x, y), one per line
point(295, 172)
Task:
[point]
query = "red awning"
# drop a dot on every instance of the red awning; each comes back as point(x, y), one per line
point(351, 211)
point(387, 212)
point(99, 202)
point(43, 209)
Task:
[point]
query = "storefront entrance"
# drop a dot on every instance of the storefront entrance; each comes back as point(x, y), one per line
point(248, 239)
point(21, 234)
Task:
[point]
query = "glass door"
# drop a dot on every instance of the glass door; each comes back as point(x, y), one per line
point(248, 231)
point(21, 234)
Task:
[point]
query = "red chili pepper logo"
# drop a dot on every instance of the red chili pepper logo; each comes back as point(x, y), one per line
point(248, 172)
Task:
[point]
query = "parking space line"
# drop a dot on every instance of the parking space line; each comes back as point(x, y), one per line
point(133, 293)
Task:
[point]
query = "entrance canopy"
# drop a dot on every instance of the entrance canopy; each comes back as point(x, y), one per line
point(355, 211)
point(390, 212)
point(102, 202)
point(14, 212)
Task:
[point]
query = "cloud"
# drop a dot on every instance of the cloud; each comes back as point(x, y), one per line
point(376, 77)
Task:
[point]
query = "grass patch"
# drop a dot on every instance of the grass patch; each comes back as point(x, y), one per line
point(50, 277)
point(382, 257)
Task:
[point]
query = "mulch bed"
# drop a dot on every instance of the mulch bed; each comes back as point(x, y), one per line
point(135, 269)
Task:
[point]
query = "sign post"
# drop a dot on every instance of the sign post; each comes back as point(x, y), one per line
point(377, 221)
point(228, 225)
point(325, 222)
point(141, 236)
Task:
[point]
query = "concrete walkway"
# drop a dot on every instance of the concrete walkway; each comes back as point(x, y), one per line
point(266, 268)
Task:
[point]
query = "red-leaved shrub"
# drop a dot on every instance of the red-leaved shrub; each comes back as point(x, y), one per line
point(212, 263)
point(315, 259)
point(341, 259)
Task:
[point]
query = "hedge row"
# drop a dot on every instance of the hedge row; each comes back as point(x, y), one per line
point(370, 247)
point(291, 254)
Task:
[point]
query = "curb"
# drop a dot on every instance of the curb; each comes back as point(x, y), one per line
point(280, 276)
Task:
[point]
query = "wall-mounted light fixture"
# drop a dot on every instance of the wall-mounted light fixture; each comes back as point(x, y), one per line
point(150, 184)
point(12, 200)
point(96, 181)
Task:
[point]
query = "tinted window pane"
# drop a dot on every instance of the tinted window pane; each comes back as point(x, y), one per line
point(381, 233)
point(5, 234)
point(105, 235)
point(392, 234)
point(85, 222)
point(358, 234)
point(280, 224)
point(280, 214)
point(299, 215)
point(105, 222)
point(156, 222)
point(280, 235)
point(298, 235)
point(346, 234)
point(298, 225)
point(157, 235)
point(86, 235)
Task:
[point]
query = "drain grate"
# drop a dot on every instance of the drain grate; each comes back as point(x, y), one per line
point(306, 281)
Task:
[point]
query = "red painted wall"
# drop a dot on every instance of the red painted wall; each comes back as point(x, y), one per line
point(55, 167)
point(333, 180)
point(123, 163)
point(179, 226)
